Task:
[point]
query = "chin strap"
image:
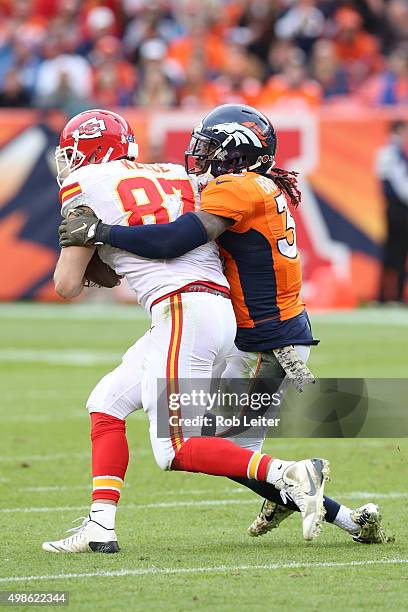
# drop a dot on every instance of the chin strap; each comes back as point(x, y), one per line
point(107, 155)
point(204, 179)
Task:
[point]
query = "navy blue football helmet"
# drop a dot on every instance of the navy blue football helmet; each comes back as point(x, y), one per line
point(232, 138)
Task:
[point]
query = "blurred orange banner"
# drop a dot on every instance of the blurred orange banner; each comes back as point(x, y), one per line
point(340, 224)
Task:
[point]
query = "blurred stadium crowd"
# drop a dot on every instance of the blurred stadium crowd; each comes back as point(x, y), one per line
point(163, 53)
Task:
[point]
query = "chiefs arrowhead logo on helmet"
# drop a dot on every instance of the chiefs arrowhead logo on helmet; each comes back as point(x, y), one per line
point(92, 128)
point(94, 137)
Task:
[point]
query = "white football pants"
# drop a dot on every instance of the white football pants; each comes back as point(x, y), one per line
point(190, 336)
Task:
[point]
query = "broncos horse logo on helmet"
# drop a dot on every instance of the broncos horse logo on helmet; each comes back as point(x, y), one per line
point(239, 132)
point(231, 138)
point(237, 138)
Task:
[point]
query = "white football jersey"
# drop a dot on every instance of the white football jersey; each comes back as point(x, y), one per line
point(128, 193)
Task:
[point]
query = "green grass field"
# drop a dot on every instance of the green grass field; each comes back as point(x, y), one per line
point(183, 536)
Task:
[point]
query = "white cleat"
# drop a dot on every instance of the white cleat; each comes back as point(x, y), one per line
point(303, 482)
point(87, 537)
point(368, 519)
point(270, 517)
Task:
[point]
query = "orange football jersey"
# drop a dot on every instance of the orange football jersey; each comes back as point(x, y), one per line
point(262, 263)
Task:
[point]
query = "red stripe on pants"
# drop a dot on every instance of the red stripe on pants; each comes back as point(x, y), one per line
point(172, 367)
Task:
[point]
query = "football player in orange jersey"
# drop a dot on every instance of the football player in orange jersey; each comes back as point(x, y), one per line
point(244, 206)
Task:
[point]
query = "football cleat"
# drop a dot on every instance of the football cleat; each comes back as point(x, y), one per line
point(270, 517)
point(303, 482)
point(368, 519)
point(87, 537)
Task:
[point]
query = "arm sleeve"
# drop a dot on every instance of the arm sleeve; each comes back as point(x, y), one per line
point(227, 198)
point(164, 241)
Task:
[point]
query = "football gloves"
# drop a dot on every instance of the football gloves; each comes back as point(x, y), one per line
point(82, 228)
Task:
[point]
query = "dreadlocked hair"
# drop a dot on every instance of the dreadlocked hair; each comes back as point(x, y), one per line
point(286, 180)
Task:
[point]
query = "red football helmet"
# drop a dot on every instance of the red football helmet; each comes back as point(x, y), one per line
point(93, 137)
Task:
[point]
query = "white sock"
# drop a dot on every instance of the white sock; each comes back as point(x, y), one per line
point(104, 514)
point(343, 520)
point(276, 470)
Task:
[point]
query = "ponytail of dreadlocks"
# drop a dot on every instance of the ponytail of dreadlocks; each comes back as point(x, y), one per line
point(287, 181)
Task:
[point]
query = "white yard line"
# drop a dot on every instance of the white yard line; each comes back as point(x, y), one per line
point(12, 395)
point(377, 443)
point(42, 418)
point(51, 457)
point(77, 357)
point(154, 505)
point(166, 493)
point(86, 311)
point(202, 570)
point(368, 316)
point(141, 452)
point(55, 489)
point(369, 496)
point(81, 413)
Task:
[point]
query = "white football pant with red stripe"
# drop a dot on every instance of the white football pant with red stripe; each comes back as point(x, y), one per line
point(190, 337)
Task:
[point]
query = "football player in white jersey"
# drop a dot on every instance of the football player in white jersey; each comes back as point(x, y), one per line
point(233, 148)
point(192, 332)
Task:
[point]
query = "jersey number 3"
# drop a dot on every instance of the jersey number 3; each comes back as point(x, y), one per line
point(287, 245)
point(144, 199)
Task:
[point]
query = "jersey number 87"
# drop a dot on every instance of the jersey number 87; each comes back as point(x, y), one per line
point(144, 199)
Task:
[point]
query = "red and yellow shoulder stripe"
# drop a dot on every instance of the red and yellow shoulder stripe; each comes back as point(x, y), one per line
point(69, 191)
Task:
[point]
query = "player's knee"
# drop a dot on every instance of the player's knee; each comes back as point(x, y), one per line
point(253, 444)
point(101, 407)
point(98, 398)
point(163, 457)
point(91, 407)
point(105, 398)
point(163, 462)
point(97, 402)
point(303, 352)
